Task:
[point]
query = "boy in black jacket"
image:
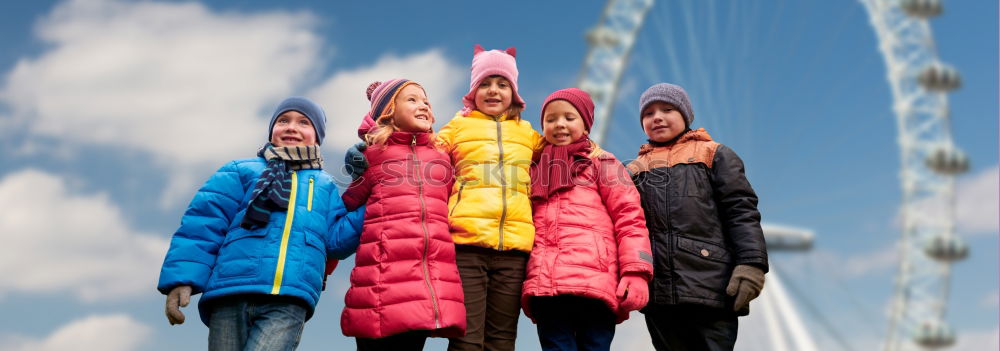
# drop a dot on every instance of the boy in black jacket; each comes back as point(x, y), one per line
point(709, 255)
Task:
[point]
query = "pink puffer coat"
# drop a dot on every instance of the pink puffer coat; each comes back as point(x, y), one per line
point(405, 277)
point(588, 237)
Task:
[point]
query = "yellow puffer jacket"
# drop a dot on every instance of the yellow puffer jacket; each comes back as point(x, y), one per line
point(489, 205)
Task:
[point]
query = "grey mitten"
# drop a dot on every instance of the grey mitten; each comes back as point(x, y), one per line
point(745, 284)
point(178, 297)
point(354, 160)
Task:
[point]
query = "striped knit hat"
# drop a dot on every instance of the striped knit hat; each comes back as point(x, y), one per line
point(491, 63)
point(382, 96)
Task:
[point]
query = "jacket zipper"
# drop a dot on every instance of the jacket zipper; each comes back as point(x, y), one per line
point(503, 181)
point(427, 238)
point(460, 188)
point(670, 234)
point(280, 270)
point(309, 203)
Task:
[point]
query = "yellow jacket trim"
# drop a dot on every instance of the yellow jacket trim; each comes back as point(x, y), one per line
point(280, 271)
point(309, 203)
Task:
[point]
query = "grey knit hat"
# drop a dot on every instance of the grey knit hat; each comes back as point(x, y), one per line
point(671, 94)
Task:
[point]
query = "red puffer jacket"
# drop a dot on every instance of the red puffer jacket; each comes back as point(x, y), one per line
point(588, 237)
point(405, 277)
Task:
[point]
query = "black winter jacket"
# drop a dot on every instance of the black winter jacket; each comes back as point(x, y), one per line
point(702, 217)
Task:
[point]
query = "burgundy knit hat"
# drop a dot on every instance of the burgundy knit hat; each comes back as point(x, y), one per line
point(491, 63)
point(580, 100)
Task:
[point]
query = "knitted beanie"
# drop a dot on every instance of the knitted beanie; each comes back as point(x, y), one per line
point(491, 63)
point(306, 107)
point(671, 94)
point(381, 95)
point(580, 100)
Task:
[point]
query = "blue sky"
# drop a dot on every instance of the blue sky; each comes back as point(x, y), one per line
point(113, 112)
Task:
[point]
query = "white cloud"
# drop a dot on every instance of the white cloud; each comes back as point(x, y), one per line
point(991, 300)
point(843, 266)
point(978, 202)
point(879, 261)
point(55, 241)
point(105, 332)
point(977, 340)
point(344, 92)
point(170, 78)
point(192, 87)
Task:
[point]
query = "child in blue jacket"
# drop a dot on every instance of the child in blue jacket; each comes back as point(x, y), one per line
point(256, 237)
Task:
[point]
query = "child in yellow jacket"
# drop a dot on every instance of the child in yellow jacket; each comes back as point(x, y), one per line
point(491, 148)
point(489, 210)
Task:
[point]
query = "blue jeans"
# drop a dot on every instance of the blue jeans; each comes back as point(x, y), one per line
point(573, 323)
point(256, 323)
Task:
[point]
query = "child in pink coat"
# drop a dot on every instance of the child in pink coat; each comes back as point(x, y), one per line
point(405, 285)
point(591, 262)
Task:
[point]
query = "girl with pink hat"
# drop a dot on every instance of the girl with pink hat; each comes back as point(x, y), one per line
point(490, 214)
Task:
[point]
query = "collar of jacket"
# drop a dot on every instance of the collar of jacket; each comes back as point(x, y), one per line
point(694, 135)
point(423, 138)
point(479, 114)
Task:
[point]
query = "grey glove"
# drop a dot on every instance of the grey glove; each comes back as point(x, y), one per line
point(354, 160)
point(179, 296)
point(745, 284)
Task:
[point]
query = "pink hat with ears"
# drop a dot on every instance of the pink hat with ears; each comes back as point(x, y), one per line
point(491, 63)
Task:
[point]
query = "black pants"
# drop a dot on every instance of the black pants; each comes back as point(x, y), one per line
point(413, 340)
point(492, 282)
point(691, 327)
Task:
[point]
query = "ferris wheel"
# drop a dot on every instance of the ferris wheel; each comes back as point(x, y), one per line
point(929, 159)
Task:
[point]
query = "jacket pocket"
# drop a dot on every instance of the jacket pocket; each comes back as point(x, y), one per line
point(314, 260)
point(706, 250)
point(580, 246)
point(696, 181)
point(703, 270)
point(602, 252)
point(239, 255)
point(459, 199)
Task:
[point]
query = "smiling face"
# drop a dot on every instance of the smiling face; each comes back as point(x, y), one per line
point(662, 122)
point(561, 123)
point(412, 112)
point(292, 128)
point(493, 97)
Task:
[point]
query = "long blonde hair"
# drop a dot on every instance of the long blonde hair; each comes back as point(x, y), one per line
point(385, 125)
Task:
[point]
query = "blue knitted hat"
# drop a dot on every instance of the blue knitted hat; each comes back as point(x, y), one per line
point(306, 107)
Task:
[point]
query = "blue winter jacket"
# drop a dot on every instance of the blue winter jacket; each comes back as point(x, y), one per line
point(216, 257)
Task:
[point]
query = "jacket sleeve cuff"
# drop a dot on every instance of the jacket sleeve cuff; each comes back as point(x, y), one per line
point(195, 275)
point(753, 258)
point(641, 269)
